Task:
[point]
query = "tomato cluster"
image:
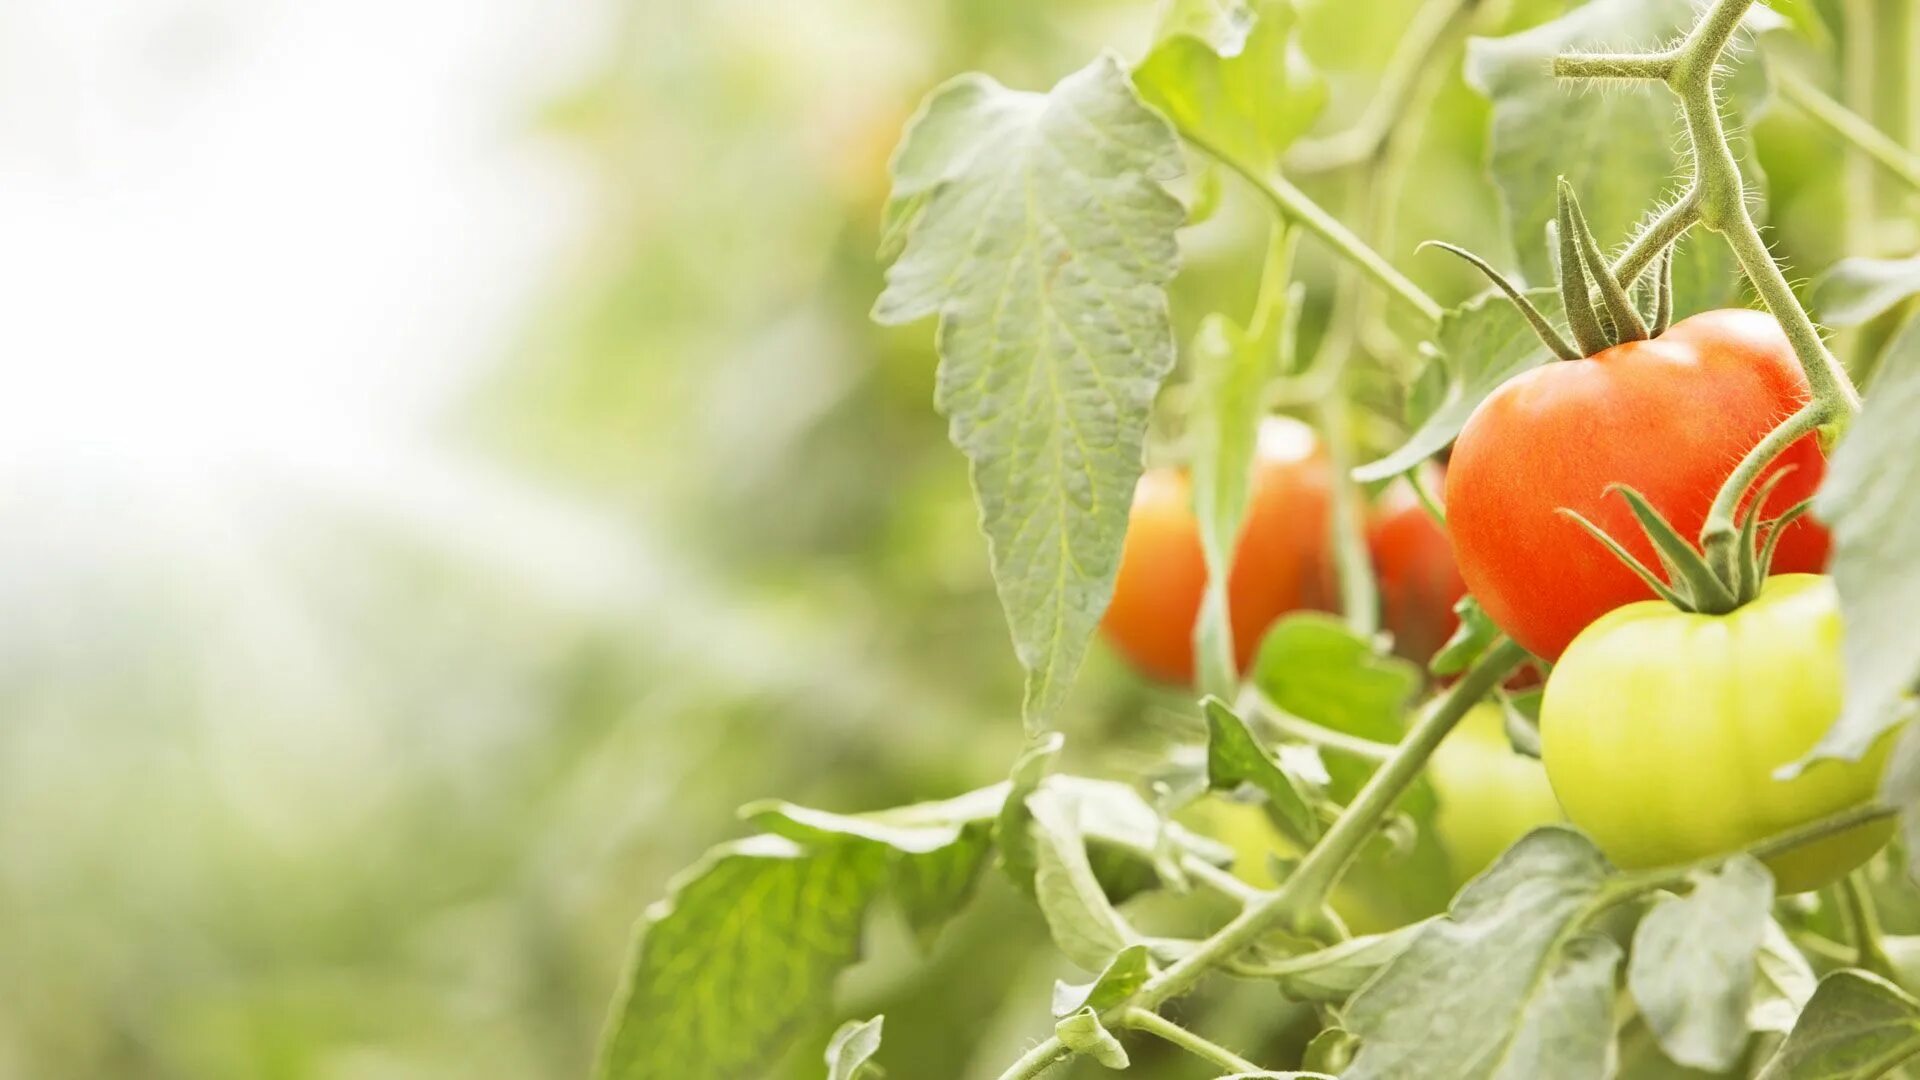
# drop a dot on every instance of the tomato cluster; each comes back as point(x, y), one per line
point(1282, 561)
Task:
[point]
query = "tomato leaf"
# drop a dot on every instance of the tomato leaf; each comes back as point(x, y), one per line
point(1856, 290)
point(1479, 345)
point(746, 946)
point(1693, 965)
point(1783, 981)
point(1506, 985)
point(1124, 975)
point(1873, 480)
point(1235, 757)
point(1312, 666)
point(850, 1051)
point(1036, 227)
point(1078, 913)
point(1230, 77)
point(1540, 125)
point(1856, 1026)
point(1229, 371)
point(1085, 1034)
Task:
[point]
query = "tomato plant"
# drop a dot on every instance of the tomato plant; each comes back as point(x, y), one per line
point(1279, 559)
point(1632, 458)
point(1663, 730)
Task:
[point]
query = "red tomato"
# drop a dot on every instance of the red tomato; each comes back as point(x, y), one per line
point(1668, 417)
point(1419, 579)
point(1279, 561)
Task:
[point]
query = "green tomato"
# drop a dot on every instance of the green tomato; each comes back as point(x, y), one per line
point(1661, 731)
point(1489, 795)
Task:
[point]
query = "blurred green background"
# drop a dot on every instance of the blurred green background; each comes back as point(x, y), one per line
point(447, 468)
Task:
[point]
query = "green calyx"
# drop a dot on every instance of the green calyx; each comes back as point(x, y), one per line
point(1694, 582)
point(1599, 306)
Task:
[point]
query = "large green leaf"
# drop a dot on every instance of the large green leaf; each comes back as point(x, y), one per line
point(746, 947)
point(1694, 964)
point(1480, 344)
point(1617, 147)
point(1229, 75)
point(1036, 227)
point(1507, 985)
point(1856, 1027)
point(1872, 486)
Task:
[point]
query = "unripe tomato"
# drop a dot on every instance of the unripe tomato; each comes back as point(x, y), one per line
point(1419, 579)
point(1489, 795)
point(1668, 417)
point(1278, 565)
point(1661, 731)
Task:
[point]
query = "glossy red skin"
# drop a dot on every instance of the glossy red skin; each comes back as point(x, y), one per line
point(1668, 417)
point(1419, 579)
point(1279, 562)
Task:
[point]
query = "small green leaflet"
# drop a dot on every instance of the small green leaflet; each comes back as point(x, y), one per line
point(1312, 666)
point(1230, 77)
point(1693, 965)
point(1122, 977)
point(1235, 757)
point(1481, 344)
point(850, 1051)
point(1856, 290)
point(1856, 1027)
point(1507, 985)
point(1229, 370)
point(1084, 1034)
point(1783, 983)
point(1872, 485)
point(1035, 226)
point(1625, 137)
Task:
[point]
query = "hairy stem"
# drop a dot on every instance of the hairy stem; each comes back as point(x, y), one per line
point(1203, 1048)
point(1722, 528)
point(1038, 1060)
point(1850, 127)
point(1299, 898)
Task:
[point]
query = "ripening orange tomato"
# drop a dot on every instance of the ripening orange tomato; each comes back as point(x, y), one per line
point(1280, 561)
point(1419, 580)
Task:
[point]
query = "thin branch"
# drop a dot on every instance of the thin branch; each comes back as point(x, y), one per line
point(1203, 1048)
point(1850, 127)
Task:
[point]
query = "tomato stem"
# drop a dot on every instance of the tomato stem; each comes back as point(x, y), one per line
point(1717, 194)
point(1721, 531)
point(1299, 899)
point(1199, 1046)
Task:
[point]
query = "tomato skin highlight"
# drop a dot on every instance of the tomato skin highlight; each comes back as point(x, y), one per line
point(1279, 565)
point(1490, 796)
point(1661, 731)
point(1669, 417)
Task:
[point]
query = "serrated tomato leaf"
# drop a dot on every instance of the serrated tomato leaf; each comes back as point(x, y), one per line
point(1036, 227)
point(1507, 985)
point(1855, 1027)
point(1231, 78)
point(1694, 964)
